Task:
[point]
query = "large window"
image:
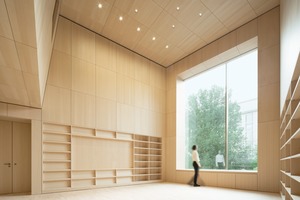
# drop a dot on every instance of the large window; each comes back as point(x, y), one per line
point(221, 115)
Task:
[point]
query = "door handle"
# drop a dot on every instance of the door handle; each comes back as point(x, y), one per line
point(7, 164)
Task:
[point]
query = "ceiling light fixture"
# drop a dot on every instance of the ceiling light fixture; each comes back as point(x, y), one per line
point(138, 29)
point(167, 46)
point(200, 14)
point(99, 5)
point(136, 10)
point(153, 38)
point(173, 26)
point(120, 18)
point(177, 8)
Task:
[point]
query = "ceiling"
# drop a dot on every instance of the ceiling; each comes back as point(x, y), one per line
point(180, 27)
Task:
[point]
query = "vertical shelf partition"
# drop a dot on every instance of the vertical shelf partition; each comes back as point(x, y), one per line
point(59, 173)
point(290, 141)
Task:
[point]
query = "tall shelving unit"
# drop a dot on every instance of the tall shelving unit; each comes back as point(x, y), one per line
point(147, 158)
point(290, 141)
point(59, 173)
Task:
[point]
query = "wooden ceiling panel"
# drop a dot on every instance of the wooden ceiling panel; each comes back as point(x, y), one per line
point(87, 13)
point(233, 13)
point(22, 20)
point(5, 29)
point(191, 43)
point(156, 17)
point(189, 9)
point(28, 58)
point(162, 3)
point(209, 28)
point(261, 7)
point(8, 54)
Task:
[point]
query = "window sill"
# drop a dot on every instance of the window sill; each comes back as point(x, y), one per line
point(220, 171)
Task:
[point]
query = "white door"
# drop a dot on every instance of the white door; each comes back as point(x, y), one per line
point(5, 157)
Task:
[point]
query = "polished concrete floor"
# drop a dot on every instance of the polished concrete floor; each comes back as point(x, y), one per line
point(156, 191)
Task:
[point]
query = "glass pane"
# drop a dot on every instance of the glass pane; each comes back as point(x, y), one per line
point(242, 112)
point(205, 116)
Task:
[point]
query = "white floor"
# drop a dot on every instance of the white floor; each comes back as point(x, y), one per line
point(156, 191)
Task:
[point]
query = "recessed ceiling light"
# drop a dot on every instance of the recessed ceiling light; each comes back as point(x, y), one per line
point(200, 14)
point(173, 26)
point(167, 46)
point(99, 5)
point(136, 10)
point(121, 18)
point(153, 38)
point(138, 29)
point(177, 8)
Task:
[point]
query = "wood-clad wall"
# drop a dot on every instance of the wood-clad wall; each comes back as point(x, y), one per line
point(95, 83)
point(266, 29)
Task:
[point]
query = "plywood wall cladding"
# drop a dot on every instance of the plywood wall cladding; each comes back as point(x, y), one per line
point(92, 80)
point(26, 46)
point(103, 114)
point(261, 33)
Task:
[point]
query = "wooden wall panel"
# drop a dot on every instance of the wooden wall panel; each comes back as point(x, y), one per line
point(226, 180)
point(125, 90)
point(63, 36)
point(142, 69)
point(83, 110)
point(106, 53)
point(106, 83)
point(87, 151)
point(60, 70)
point(57, 105)
point(28, 58)
point(125, 118)
point(83, 76)
point(83, 43)
point(106, 114)
point(125, 60)
point(246, 181)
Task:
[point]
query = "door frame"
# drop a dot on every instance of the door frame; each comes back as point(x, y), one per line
point(10, 112)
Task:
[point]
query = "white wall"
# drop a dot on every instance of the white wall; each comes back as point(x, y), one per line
point(289, 43)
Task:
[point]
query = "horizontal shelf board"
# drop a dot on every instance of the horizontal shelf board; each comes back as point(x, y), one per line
point(155, 142)
point(155, 155)
point(296, 135)
point(296, 114)
point(57, 180)
point(287, 127)
point(296, 92)
point(141, 141)
point(106, 177)
point(296, 178)
point(138, 154)
point(56, 161)
point(56, 151)
point(55, 142)
point(54, 190)
point(141, 175)
point(295, 197)
point(101, 138)
point(144, 148)
point(158, 149)
point(82, 178)
point(56, 132)
point(57, 170)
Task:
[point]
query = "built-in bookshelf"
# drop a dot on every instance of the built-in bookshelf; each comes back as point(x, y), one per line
point(290, 141)
point(62, 146)
point(147, 158)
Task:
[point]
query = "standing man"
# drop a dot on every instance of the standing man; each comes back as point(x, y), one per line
point(196, 164)
point(220, 162)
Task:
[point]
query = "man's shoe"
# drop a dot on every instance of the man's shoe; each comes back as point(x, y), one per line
point(196, 185)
